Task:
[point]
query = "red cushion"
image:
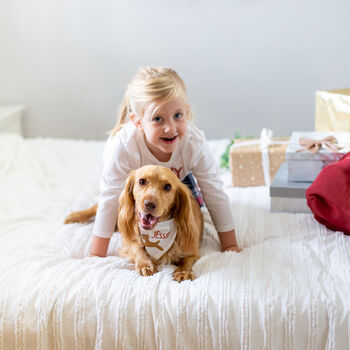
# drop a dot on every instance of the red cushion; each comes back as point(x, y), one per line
point(329, 196)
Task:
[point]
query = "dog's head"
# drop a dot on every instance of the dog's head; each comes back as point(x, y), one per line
point(152, 194)
point(152, 191)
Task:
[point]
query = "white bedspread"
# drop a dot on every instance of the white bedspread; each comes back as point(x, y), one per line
point(288, 289)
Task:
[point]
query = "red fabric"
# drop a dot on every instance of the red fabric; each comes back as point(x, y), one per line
point(329, 196)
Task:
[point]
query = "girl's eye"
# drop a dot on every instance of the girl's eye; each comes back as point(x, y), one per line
point(157, 119)
point(142, 182)
point(167, 187)
point(178, 116)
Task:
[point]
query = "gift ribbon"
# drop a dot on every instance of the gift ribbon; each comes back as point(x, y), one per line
point(264, 142)
point(313, 146)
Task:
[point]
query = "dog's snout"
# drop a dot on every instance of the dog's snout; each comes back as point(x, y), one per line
point(150, 205)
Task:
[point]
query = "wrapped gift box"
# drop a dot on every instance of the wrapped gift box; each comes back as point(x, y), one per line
point(288, 196)
point(304, 165)
point(332, 110)
point(246, 160)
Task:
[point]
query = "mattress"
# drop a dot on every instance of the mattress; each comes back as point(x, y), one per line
point(289, 288)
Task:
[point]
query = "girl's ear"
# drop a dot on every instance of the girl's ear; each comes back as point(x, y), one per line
point(188, 111)
point(136, 121)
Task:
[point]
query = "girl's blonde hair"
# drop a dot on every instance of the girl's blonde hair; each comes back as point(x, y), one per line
point(151, 84)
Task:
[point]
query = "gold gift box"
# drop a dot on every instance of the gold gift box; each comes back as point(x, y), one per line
point(332, 110)
point(246, 163)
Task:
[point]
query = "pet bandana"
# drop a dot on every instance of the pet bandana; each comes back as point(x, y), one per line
point(159, 240)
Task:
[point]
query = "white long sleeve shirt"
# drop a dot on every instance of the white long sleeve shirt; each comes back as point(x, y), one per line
point(127, 151)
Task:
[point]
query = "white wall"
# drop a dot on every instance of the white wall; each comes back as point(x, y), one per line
point(247, 63)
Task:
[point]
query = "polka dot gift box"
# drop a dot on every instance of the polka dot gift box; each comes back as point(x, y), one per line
point(254, 162)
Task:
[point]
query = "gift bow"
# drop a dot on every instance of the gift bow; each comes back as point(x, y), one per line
point(264, 142)
point(313, 146)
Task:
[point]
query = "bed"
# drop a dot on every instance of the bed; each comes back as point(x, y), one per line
point(288, 289)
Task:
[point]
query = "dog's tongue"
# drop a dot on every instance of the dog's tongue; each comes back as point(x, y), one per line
point(149, 220)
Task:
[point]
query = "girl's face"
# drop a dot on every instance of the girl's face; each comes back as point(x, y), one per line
point(165, 128)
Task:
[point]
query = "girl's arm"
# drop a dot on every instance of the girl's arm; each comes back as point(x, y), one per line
point(99, 246)
point(117, 163)
point(215, 198)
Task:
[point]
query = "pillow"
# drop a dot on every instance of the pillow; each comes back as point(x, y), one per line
point(329, 196)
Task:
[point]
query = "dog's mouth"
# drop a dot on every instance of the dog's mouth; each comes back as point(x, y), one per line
point(148, 221)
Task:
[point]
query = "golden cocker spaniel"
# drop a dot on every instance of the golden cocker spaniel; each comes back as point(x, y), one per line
point(159, 220)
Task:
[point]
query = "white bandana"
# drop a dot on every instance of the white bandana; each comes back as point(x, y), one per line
point(159, 240)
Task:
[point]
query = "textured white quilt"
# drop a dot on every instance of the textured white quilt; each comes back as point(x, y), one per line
point(288, 289)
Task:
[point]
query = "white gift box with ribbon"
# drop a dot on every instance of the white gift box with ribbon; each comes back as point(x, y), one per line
point(303, 165)
point(265, 142)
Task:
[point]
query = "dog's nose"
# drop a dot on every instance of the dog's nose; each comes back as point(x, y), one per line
point(150, 205)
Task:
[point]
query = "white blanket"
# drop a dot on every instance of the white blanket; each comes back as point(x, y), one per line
point(288, 289)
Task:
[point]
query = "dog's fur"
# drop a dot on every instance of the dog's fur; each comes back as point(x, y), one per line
point(156, 191)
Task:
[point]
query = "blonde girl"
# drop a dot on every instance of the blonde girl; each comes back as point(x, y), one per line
point(154, 127)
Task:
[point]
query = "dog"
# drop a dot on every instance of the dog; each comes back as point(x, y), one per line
point(159, 220)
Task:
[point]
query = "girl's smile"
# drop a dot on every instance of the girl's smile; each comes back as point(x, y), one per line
point(169, 140)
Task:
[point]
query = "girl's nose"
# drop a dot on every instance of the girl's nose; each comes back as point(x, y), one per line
point(168, 127)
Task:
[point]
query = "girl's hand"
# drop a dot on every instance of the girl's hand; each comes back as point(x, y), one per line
point(228, 241)
point(99, 246)
point(232, 249)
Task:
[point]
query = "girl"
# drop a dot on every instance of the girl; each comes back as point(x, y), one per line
point(154, 127)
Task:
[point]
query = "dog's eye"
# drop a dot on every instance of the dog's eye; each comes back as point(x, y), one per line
point(142, 182)
point(167, 187)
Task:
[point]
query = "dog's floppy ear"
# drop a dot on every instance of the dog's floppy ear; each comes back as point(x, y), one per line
point(126, 215)
point(188, 231)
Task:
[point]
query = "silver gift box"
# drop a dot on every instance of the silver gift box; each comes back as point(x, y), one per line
point(288, 196)
point(304, 165)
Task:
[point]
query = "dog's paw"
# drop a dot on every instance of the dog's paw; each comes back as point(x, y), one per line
point(146, 269)
point(180, 276)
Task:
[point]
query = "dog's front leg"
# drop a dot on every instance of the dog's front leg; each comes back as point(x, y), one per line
point(143, 263)
point(184, 270)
